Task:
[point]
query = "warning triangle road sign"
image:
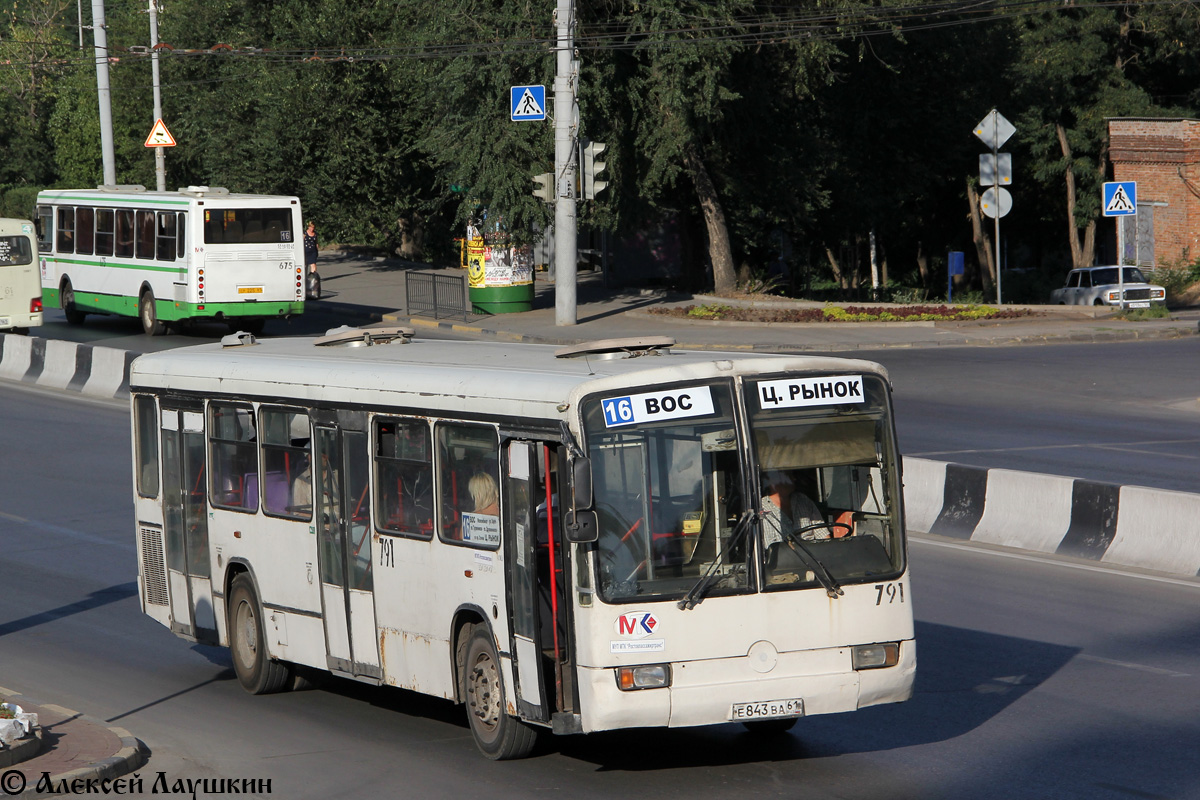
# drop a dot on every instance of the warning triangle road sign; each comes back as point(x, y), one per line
point(160, 136)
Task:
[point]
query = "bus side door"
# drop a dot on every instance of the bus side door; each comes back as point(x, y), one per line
point(344, 552)
point(185, 522)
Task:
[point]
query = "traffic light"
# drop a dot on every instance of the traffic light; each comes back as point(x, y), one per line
point(591, 168)
point(545, 186)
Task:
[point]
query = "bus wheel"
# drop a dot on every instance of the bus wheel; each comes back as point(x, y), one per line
point(255, 670)
point(66, 301)
point(498, 736)
point(770, 727)
point(148, 314)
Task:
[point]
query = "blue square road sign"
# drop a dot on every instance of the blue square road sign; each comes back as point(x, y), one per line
point(1120, 198)
point(527, 103)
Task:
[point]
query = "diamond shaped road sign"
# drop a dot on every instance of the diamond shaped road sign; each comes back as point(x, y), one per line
point(994, 130)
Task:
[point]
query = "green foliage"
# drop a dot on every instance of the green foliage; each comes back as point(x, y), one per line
point(1139, 314)
point(18, 202)
point(710, 311)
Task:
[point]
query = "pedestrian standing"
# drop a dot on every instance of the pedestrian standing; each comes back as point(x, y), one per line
point(310, 259)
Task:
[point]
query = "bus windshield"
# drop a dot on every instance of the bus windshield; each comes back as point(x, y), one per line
point(15, 251)
point(669, 492)
point(829, 486)
point(670, 488)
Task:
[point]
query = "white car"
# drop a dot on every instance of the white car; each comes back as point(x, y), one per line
point(1099, 286)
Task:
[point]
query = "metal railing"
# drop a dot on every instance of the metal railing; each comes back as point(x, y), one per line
point(437, 294)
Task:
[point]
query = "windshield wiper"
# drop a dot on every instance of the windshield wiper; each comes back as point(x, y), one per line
point(696, 595)
point(832, 587)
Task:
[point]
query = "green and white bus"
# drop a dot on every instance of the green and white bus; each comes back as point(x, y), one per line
point(563, 541)
point(20, 288)
point(200, 253)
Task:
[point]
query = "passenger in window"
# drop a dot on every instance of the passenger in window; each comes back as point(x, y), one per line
point(484, 494)
point(787, 509)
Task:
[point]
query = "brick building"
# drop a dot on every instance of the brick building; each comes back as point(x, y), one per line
point(1163, 156)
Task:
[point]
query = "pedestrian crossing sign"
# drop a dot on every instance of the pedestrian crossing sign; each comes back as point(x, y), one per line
point(527, 103)
point(160, 136)
point(1120, 199)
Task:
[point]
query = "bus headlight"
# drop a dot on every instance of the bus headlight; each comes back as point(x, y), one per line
point(647, 676)
point(875, 656)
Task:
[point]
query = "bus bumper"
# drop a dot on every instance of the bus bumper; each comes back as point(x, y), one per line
point(705, 692)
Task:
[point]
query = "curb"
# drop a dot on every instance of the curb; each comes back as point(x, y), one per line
point(1130, 526)
point(131, 755)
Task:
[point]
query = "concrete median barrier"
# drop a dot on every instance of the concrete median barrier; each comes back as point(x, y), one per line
point(66, 366)
point(1132, 526)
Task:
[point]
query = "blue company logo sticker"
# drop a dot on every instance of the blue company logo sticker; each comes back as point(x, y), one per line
point(824, 391)
point(695, 401)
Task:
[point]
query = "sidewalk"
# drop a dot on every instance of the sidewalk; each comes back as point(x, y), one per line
point(75, 749)
point(365, 289)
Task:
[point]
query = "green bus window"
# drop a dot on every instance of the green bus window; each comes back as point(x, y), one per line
point(85, 231)
point(105, 228)
point(124, 248)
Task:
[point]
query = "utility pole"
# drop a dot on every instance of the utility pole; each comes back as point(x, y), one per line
point(566, 113)
point(160, 158)
point(100, 35)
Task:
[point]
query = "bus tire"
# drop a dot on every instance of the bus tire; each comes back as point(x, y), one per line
point(255, 669)
point(148, 314)
point(497, 735)
point(66, 301)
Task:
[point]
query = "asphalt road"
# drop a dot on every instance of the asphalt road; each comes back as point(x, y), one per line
point(1038, 678)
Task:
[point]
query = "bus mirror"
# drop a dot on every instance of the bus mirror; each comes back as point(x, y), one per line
point(581, 470)
point(581, 526)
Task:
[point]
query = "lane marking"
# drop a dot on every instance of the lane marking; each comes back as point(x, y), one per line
point(1170, 673)
point(1050, 560)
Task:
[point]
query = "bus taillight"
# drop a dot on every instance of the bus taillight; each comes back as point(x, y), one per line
point(35, 305)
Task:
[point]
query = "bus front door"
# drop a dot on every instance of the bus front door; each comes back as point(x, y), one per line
point(344, 552)
point(185, 521)
point(532, 509)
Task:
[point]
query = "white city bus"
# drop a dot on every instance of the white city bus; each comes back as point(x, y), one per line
point(20, 287)
point(567, 540)
point(200, 253)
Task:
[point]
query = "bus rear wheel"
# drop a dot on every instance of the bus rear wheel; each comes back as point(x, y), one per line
point(66, 301)
point(148, 314)
point(497, 735)
point(255, 670)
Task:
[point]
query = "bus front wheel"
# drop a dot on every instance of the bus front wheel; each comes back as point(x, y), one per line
point(255, 670)
point(498, 736)
point(67, 302)
point(148, 313)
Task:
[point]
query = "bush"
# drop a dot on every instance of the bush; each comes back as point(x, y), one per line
point(1175, 279)
point(18, 202)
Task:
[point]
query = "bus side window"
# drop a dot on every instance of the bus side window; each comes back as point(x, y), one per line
point(468, 474)
point(65, 240)
point(403, 477)
point(145, 234)
point(146, 426)
point(85, 230)
point(165, 236)
point(105, 227)
point(180, 235)
point(233, 453)
point(45, 219)
point(287, 463)
point(124, 247)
